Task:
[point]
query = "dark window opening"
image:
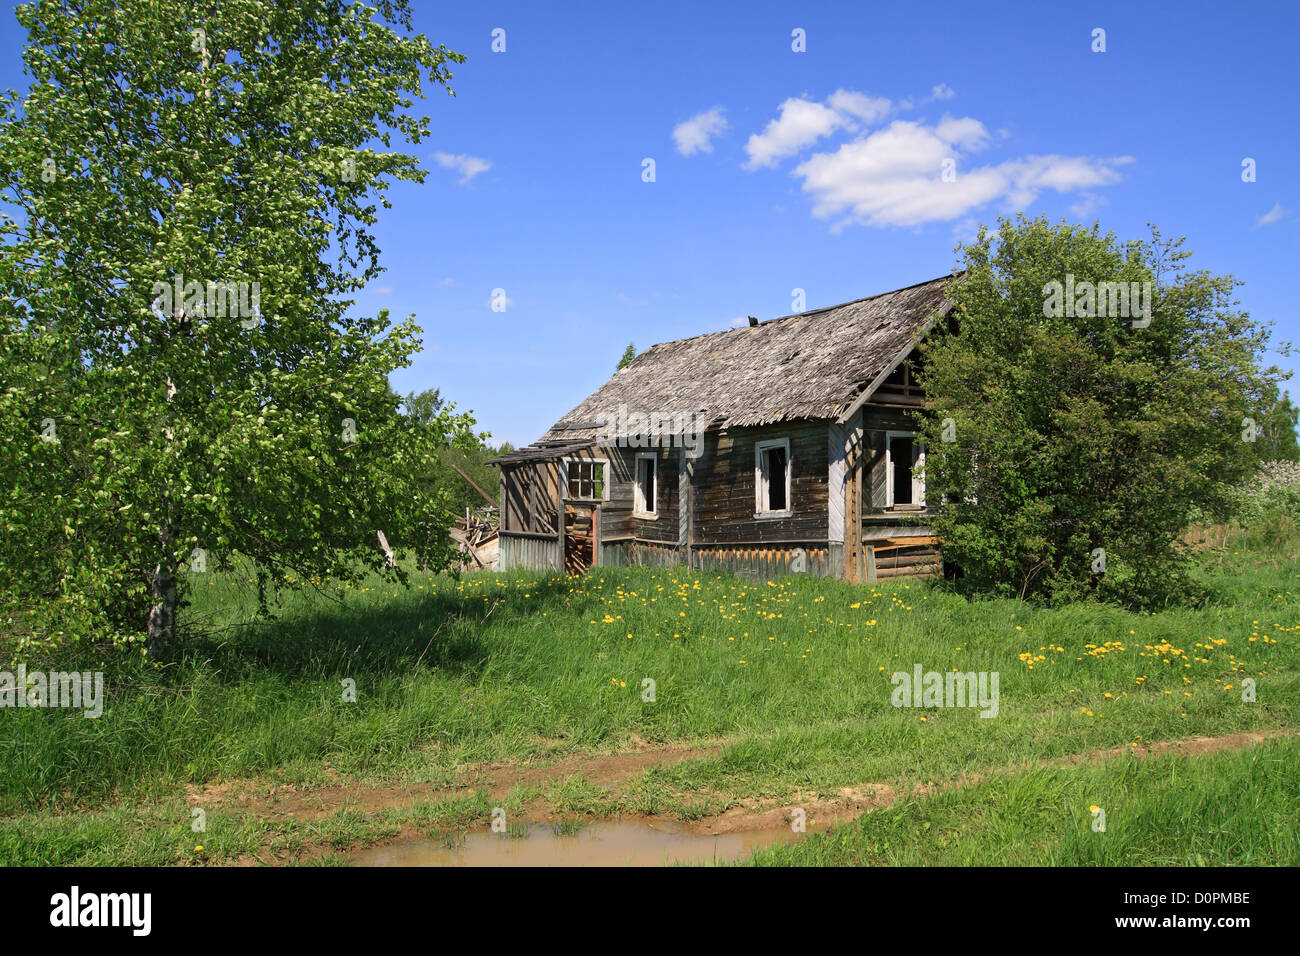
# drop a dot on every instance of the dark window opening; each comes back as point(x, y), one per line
point(901, 455)
point(645, 481)
point(774, 477)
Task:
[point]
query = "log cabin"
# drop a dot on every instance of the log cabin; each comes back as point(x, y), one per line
point(782, 447)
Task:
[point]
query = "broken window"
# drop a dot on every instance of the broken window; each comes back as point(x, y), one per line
point(647, 468)
point(586, 480)
point(906, 472)
point(901, 454)
point(772, 475)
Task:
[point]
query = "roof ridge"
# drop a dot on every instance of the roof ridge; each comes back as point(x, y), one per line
point(794, 315)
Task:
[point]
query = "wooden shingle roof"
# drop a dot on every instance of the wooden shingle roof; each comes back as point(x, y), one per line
point(811, 365)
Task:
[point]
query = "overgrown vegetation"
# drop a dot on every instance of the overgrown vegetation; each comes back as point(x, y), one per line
point(460, 470)
point(1266, 514)
point(793, 676)
point(1074, 434)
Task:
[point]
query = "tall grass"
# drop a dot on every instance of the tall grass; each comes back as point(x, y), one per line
point(1229, 808)
point(496, 667)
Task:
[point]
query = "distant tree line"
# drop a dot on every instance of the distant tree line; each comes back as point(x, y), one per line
point(445, 471)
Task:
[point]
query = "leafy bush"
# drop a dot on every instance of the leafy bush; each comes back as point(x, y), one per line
point(1080, 445)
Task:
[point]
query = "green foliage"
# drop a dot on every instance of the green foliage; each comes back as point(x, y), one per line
point(456, 465)
point(629, 354)
point(1276, 440)
point(423, 406)
point(1267, 516)
point(1082, 432)
point(473, 462)
point(162, 146)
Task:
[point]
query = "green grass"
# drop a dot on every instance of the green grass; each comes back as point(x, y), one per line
point(1226, 808)
point(160, 834)
point(793, 676)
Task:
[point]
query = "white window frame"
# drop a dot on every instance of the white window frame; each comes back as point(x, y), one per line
point(760, 486)
point(918, 471)
point(582, 461)
point(639, 509)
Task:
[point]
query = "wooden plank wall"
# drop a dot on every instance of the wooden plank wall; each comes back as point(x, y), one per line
point(836, 436)
point(765, 563)
point(528, 553)
point(724, 487)
point(616, 513)
point(722, 530)
point(876, 421)
point(663, 527)
point(685, 499)
point(655, 554)
point(616, 554)
point(530, 496)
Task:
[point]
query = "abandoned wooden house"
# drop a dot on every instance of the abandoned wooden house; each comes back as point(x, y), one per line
point(781, 447)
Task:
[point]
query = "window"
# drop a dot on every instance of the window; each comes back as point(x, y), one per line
point(647, 477)
point(586, 479)
point(905, 464)
point(772, 477)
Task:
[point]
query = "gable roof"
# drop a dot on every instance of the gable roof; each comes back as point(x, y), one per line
point(811, 365)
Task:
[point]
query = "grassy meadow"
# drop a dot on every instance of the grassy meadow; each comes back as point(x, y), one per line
point(784, 688)
point(1233, 808)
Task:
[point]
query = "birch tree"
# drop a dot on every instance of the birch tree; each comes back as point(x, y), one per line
point(190, 192)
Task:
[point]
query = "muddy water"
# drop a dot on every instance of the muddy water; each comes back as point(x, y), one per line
point(599, 844)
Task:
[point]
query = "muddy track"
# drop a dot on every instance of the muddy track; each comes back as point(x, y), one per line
point(744, 815)
point(279, 802)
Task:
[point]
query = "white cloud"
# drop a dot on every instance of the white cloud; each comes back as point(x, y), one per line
point(384, 290)
point(801, 123)
point(695, 135)
point(1088, 204)
point(963, 133)
point(1272, 216)
point(629, 301)
point(468, 166)
point(866, 108)
point(446, 282)
point(893, 177)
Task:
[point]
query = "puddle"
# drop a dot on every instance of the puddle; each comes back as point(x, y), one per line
point(597, 844)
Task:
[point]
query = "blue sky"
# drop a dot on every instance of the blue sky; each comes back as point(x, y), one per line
point(777, 170)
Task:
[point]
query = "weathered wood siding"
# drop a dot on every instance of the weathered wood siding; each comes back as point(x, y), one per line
point(616, 554)
point(655, 554)
point(616, 513)
point(877, 421)
point(528, 552)
point(720, 530)
point(663, 527)
point(530, 494)
point(768, 563)
point(725, 495)
point(836, 438)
